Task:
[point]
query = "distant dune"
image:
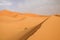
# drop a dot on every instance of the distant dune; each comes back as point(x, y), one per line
point(18, 26)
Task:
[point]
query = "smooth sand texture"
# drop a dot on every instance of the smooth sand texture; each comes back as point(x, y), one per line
point(50, 30)
point(17, 26)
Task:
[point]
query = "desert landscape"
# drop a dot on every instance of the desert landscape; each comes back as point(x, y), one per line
point(18, 26)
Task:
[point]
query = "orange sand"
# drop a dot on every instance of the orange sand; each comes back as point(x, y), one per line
point(50, 30)
point(15, 26)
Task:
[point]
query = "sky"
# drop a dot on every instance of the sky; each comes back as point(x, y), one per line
point(44, 7)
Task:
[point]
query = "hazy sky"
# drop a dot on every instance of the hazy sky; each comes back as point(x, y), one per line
point(45, 7)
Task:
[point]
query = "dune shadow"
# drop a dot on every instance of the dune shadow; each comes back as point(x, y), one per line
point(32, 31)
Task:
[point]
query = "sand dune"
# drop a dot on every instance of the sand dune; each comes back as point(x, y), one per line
point(17, 26)
point(50, 30)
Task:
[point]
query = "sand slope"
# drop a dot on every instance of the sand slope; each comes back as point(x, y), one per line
point(50, 30)
point(15, 26)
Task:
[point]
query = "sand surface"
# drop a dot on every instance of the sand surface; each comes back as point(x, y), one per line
point(17, 26)
point(50, 30)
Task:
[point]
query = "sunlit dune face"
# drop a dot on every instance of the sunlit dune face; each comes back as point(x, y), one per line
point(17, 14)
point(5, 12)
point(13, 24)
point(8, 16)
point(50, 29)
point(8, 13)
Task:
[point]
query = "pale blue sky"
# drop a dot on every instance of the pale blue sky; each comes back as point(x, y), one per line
point(45, 7)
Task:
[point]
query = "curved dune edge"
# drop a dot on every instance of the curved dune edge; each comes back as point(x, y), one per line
point(10, 13)
point(17, 26)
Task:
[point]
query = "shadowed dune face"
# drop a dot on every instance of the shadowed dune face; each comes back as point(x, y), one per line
point(14, 26)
